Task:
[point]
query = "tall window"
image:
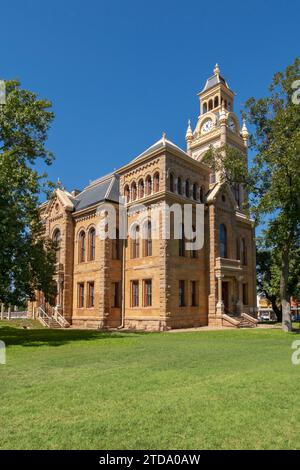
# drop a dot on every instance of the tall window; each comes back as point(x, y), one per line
point(181, 294)
point(187, 188)
point(133, 191)
point(179, 185)
point(171, 182)
point(182, 242)
point(216, 102)
point(127, 193)
point(148, 293)
point(56, 241)
point(148, 185)
point(134, 293)
point(92, 244)
point(244, 252)
point(194, 296)
point(202, 194)
point(141, 188)
point(81, 247)
point(194, 253)
point(115, 295)
point(236, 191)
point(156, 182)
point(116, 246)
point(223, 241)
point(195, 191)
point(245, 294)
point(238, 249)
point(148, 240)
point(80, 295)
point(210, 105)
point(91, 294)
point(136, 243)
point(204, 110)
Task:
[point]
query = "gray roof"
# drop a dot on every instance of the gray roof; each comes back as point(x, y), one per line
point(160, 144)
point(104, 189)
point(214, 80)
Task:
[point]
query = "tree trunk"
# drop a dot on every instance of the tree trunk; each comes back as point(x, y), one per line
point(277, 310)
point(284, 297)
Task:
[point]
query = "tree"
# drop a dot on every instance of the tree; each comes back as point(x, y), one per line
point(273, 181)
point(27, 259)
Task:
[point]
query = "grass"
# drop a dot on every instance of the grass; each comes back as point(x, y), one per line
point(71, 389)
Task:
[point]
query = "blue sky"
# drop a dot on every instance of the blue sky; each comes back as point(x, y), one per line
point(119, 73)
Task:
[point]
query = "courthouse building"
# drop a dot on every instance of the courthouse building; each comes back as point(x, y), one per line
point(156, 284)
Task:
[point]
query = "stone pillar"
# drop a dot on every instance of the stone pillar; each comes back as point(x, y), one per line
point(239, 304)
point(220, 303)
point(2, 311)
point(9, 312)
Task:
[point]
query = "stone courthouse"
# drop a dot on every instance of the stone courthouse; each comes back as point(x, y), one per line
point(156, 284)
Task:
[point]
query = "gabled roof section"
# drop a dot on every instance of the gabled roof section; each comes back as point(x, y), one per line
point(103, 189)
point(162, 143)
point(213, 194)
point(214, 80)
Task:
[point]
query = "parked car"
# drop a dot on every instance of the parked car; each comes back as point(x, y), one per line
point(296, 317)
point(266, 315)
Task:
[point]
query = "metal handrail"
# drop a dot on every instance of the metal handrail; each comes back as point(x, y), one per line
point(59, 318)
point(44, 317)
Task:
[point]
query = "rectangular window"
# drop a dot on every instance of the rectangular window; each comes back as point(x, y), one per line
point(116, 246)
point(115, 295)
point(134, 293)
point(181, 294)
point(245, 294)
point(91, 294)
point(147, 293)
point(80, 295)
point(194, 293)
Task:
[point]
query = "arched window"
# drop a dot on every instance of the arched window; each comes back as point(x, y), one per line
point(156, 182)
point(195, 191)
point(92, 244)
point(141, 188)
point(127, 193)
point(133, 191)
point(210, 105)
point(135, 252)
point(171, 183)
point(216, 102)
point(116, 246)
point(187, 188)
point(148, 239)
point(81, 251)
point(56, 241)
point(202, 194)
point(204, 109)
point(244, 252)
point(148, 185)
point(223, 241)
point(225, 104)
point(179, 185)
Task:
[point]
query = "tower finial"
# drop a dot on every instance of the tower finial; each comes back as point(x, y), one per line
point(189, 132)
point(217, 69)
point(164, 136)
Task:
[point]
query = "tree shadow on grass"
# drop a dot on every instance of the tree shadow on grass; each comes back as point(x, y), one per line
point(46, 337)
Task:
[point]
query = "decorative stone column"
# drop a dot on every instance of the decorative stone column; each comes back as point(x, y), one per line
point(239, 304)
point(220, 303)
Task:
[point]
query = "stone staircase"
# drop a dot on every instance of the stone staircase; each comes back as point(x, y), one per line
point(240, 321)
point(53, 319)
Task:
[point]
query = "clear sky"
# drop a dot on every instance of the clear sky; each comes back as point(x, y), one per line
point(119, 73)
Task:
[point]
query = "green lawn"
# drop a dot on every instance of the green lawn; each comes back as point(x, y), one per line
point(234, 389)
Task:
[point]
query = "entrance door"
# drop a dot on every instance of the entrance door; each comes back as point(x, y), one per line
point(225, 296)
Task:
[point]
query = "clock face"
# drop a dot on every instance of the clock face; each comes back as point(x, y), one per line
point(231, 125)
point(206, 127)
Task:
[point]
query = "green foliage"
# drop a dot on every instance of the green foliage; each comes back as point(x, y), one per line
point(26, 258)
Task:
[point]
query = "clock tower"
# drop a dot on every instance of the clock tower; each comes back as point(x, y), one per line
point(217, 123)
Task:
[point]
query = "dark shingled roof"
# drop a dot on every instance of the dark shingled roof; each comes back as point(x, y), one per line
point(104, 189)
point(214, 80)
